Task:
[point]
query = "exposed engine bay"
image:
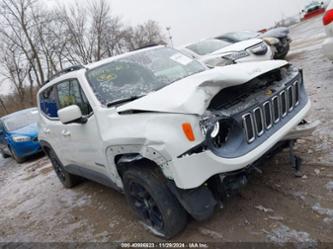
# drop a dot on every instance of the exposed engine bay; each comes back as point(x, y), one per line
point(241, 117)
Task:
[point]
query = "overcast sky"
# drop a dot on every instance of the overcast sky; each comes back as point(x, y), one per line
point(193, 20)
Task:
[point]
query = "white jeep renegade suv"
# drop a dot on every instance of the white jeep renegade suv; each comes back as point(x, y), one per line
point(171, 134)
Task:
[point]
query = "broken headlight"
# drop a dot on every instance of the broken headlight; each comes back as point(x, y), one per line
point(221, 137)
point(208, 122)
point(216, 130)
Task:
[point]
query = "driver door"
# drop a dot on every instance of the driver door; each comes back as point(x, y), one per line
point(80, 143)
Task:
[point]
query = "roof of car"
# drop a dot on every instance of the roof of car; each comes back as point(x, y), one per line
point(79, 68)
point(19, 113)
point(107, 60)
point(193, 43)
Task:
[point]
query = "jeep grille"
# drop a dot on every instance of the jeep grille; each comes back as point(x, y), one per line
point(265, 116)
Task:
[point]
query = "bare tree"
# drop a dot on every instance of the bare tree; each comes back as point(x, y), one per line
point(37, 42)
point(15, 67)
point(145, 34)
point(16, 17)
point(2, 103)
point(94, 33)
point(101, 20)
point(52, 41)
point(76, 22)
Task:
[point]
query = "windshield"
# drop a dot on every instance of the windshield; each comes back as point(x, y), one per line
point(140, 73)
point(21, 119)
point(242, 36)
point(207, 46)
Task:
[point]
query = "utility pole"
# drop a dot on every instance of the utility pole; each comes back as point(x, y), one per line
point(170, 36)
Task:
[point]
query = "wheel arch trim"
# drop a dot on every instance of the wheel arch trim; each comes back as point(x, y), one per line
point(126, 154)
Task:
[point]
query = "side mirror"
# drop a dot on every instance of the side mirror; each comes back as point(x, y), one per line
point(71, 114)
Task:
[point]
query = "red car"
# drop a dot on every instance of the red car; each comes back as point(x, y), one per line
point(313, 9)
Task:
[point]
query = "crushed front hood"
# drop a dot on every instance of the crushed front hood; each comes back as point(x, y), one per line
point(193, 94)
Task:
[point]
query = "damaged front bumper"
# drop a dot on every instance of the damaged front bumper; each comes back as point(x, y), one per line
point(191, 171)
point(304, 129)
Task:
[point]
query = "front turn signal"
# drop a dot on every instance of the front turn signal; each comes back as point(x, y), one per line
point(188, 131)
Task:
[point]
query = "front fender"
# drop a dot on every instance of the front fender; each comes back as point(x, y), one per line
point(158, 137)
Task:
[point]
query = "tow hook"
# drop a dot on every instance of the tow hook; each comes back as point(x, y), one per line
point(296, 162)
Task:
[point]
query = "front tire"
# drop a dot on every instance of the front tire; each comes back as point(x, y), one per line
point(282, 54)
point(153, 203)
point(67, 179)
point(4, 155)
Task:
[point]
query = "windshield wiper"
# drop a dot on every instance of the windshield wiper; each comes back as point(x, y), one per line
point(121, 101)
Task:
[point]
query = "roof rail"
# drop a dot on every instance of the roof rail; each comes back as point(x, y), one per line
point(64, 71)
point(149, 45)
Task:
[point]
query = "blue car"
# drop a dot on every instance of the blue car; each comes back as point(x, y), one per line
point(19, 134)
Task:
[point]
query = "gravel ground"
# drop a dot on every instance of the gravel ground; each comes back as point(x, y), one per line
point(274, 207)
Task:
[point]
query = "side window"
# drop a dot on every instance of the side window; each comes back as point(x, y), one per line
point(49, 102)
point(80, 98)
point(70, 93)
point(64, 96)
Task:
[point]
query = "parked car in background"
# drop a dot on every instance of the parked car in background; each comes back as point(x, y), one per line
point(234, 37)
point(288, 21)
point(214, 52)
point(277, 38)
point(328, 23)
point(171, 134)
point(19, 134)
point(313, 9)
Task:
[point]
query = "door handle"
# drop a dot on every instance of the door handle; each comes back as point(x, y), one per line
point(46, 131)
point(66, 133)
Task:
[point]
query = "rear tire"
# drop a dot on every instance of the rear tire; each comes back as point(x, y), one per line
point(153, 203)
point(67, 179)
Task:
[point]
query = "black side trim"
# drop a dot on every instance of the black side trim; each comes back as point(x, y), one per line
point(84, 172)
point(92, 175)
